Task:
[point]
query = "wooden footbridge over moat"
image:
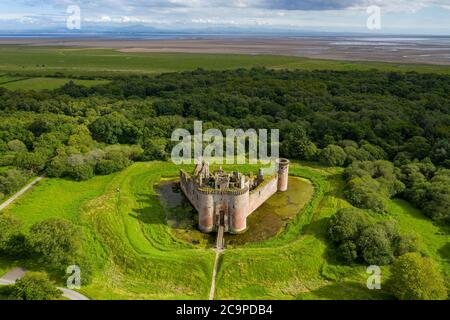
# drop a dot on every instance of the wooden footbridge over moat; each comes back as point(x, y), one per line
point(220, 247)
point(220, 242)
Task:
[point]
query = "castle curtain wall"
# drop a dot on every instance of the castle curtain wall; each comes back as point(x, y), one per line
point(261, 194)
point(230, 207)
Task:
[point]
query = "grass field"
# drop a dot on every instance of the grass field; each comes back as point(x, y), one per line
point(5, 79)
point(41, 83)
point(97, 62)
point(136, 255)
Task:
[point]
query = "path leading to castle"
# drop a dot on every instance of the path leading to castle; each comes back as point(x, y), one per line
point(17, 273)
point(220, 247)
point(20, 193)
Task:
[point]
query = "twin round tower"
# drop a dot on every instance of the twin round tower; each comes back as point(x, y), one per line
point(228, 198)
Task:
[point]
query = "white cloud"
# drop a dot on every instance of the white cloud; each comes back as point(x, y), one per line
point(180, 13)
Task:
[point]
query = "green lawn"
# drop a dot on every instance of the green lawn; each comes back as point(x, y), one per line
point(434, 239)
point(95, 62)
point(137, 256)
point(57, 198)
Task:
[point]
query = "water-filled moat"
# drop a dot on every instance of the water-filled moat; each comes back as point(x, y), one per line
point(264, 223)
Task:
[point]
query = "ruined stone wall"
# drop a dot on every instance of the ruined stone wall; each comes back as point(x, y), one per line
point(260, 195)
point(209, 204)
point(203, 203)
point(236, 205)
point(187, 186)
point(283, 174)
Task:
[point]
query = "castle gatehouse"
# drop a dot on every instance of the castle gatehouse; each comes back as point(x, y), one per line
point(228, 198)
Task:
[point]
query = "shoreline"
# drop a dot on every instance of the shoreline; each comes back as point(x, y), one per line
point(420, 50)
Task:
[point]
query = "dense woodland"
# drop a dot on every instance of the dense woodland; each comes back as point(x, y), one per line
point(390, 130)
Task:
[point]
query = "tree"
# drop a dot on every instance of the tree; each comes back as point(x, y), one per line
point(34, 161)
point(354, 154)
point(371, 183)
point(34, 286)
point(40, 126)
point(78, 168)
point(416, 278)
point(433, 195)
point(298, 146)
point(348, 251)
point(17, 146)
point(155, 149)
point(346, 224)
point(55, 240)
point(9, 228)
point(12, 180)
point(418, 147)
point(404, 244)
point(364, 192)
point(333, 155)
point(81, 139)
point(114, 128)
point(375, 245)
point(359, 239)
point(441, 153)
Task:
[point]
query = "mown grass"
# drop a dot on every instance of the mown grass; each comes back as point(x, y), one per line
point(96, 62)
point(136, 255)
point(57, 198)
point(297, 264)
point(434, 239)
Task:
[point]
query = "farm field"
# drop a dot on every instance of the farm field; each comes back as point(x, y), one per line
point(41, 83)
point(137, 255)
point(24, 60)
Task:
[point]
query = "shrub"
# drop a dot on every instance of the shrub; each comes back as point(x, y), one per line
point(348, 251)
point(34, 286)
point(346, 224)
point(333, 156)
point(9, 228)
point(363, 192)
point(416, 278)
point(155, 149)
point(33, 161)
point(404, 244)
point(56, 241)
point(359, 239)
point(12, 180)
point(371, 183)
point(428, 189)
point(17, 146)
point(375, 246)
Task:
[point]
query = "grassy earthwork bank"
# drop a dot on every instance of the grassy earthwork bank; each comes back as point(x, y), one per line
point(136, 254)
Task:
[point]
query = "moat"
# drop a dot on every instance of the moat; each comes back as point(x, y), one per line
point(266, 222)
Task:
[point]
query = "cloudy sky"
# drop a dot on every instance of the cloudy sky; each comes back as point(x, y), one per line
point(397, 16)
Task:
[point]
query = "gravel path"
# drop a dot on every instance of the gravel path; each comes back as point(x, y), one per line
point(20, 193)
point(17, 273)
point(220, 247)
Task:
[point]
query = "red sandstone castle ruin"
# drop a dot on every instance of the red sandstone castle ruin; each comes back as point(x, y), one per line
point(227, 199)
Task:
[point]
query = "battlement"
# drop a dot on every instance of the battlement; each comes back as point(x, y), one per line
point(228, 198)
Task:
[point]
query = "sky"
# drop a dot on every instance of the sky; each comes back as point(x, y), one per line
point(397, 16)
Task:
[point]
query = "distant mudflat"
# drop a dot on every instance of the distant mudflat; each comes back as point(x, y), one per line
point(423, 50)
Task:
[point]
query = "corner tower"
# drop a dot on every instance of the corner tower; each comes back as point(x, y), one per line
point(283, 174)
